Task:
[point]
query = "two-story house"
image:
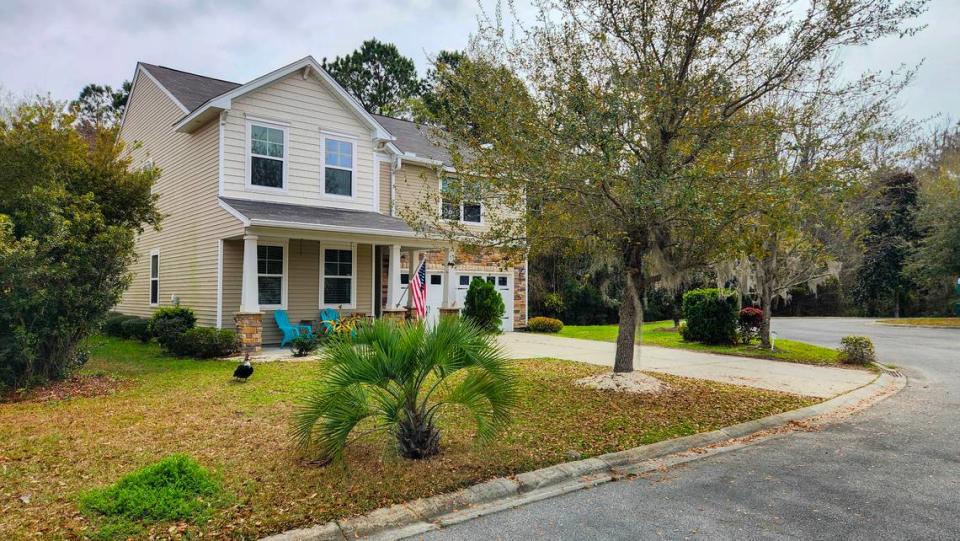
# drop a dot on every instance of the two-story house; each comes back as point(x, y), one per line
point(284, 193)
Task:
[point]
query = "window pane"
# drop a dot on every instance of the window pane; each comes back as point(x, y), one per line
point(336, 290)
point(450, 210)
point(154, 291)
point(266, 141)
point(435, 279)
point(491, 279)
point(404, 279)
point(338, 153)
point(464, 280)
point(471, 212)
point(154, 266)
point(269, 289)
point(502, 281)
point(339, 182)
point(266, 172)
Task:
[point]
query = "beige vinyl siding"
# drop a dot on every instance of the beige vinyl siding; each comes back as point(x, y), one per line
point(418, 189)
point(386, 167)
point(308, 106)
point(303, 283)
point(193, 220)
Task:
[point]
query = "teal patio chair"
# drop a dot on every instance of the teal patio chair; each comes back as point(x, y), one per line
point(290, 331)
point(328, 316)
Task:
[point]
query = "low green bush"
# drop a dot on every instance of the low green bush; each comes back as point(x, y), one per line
point(304, 345)
point(206, 343)
point(748, 323)
point(113, 324)
point(857, 350)
point(544, 324)
point(483, 305)
point(169, 322)
point(136, 328)
point(711, 316)
point(175, 488)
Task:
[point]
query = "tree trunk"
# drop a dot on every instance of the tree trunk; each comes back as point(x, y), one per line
point(627, 330)
point(768, 273)
point(766, 304)
point(896, 304)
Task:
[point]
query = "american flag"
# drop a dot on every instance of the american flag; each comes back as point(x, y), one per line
point(418, 290)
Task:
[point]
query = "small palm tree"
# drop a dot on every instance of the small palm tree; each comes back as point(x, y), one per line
point(398, 376)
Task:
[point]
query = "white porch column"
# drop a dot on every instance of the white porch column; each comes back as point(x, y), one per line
point(249, 299)
point(449, 282)
point(394, 289)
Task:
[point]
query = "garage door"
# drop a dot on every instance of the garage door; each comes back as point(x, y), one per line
point(503, 282)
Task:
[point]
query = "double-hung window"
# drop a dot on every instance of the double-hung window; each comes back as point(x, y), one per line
point(338, 277)
point(267, 156)
point(270, 275)
point(460, 200)
point(154, 277)
point(338, 167)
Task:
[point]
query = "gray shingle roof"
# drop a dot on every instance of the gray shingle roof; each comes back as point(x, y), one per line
point(194, 90)
point(323, 217)
point(190, 89)
point(418, 139)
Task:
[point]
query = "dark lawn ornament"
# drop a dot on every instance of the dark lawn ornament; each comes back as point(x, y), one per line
point(245, 370)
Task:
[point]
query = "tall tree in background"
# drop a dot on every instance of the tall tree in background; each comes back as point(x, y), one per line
point(379, 77)
point(882, 283)
point(440, 80)
point(625, 128)
point(101, 105)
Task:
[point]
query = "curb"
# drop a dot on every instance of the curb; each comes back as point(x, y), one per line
point(426, 514)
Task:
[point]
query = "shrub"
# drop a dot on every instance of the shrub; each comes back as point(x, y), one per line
point(544, 324)
point(169, 322)
point(483, 305)
point(138, 328)
point(206, 343)
point(304, 345)
point(711, 316)
point(175, 488)
point(113, 325)
point(749, 321)
point(857, 350)
point(553, 304)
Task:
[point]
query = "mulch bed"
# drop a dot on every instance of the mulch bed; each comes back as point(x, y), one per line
point(76, 386)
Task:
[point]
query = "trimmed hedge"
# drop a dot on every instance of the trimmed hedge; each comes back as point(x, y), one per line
point(711, 316)
point(484, 305)
point(113, 324)
point(169, 322)
point(544, 324)
point(137, 328)
point(857, 350)
point(206, 343)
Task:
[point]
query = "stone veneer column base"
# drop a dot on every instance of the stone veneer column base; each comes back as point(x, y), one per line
point(394, 314)
point(449, 312)
point(249, 331)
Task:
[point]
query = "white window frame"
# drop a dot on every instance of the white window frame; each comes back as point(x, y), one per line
point(460, 219)
point(353, 275)
point(154, 252)
point(248, 152)
point(283, 277)
point(343, 138)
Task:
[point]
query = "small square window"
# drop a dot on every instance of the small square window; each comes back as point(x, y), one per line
point(492, 279)
point(502, 281)
point(464, 280)
point(404, 279)
point(435, 279)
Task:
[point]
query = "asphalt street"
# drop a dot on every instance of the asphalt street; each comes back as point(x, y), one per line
point(889, 472)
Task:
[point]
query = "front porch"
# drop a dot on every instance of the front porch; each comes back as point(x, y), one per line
point(304, 272)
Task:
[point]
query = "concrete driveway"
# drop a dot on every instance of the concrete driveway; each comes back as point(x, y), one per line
point(795, 378)
point(889, 472)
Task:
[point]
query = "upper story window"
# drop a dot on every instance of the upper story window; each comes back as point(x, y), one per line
point(460, 201)
point(338, 167)
point(268, 156)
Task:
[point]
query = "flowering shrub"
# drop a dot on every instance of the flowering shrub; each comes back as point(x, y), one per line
point(748, 322)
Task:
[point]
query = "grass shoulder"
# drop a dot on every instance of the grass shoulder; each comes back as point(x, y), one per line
point(64, 451)
point(939, 322)
point(663, 334)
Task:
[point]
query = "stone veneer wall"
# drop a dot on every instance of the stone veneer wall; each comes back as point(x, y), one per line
point(490, 260)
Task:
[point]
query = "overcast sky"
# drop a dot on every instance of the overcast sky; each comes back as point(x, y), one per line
point(57, 46)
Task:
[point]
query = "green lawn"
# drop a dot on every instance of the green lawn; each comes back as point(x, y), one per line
point(945, 322)
point(54, 451)
point(662, 333)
